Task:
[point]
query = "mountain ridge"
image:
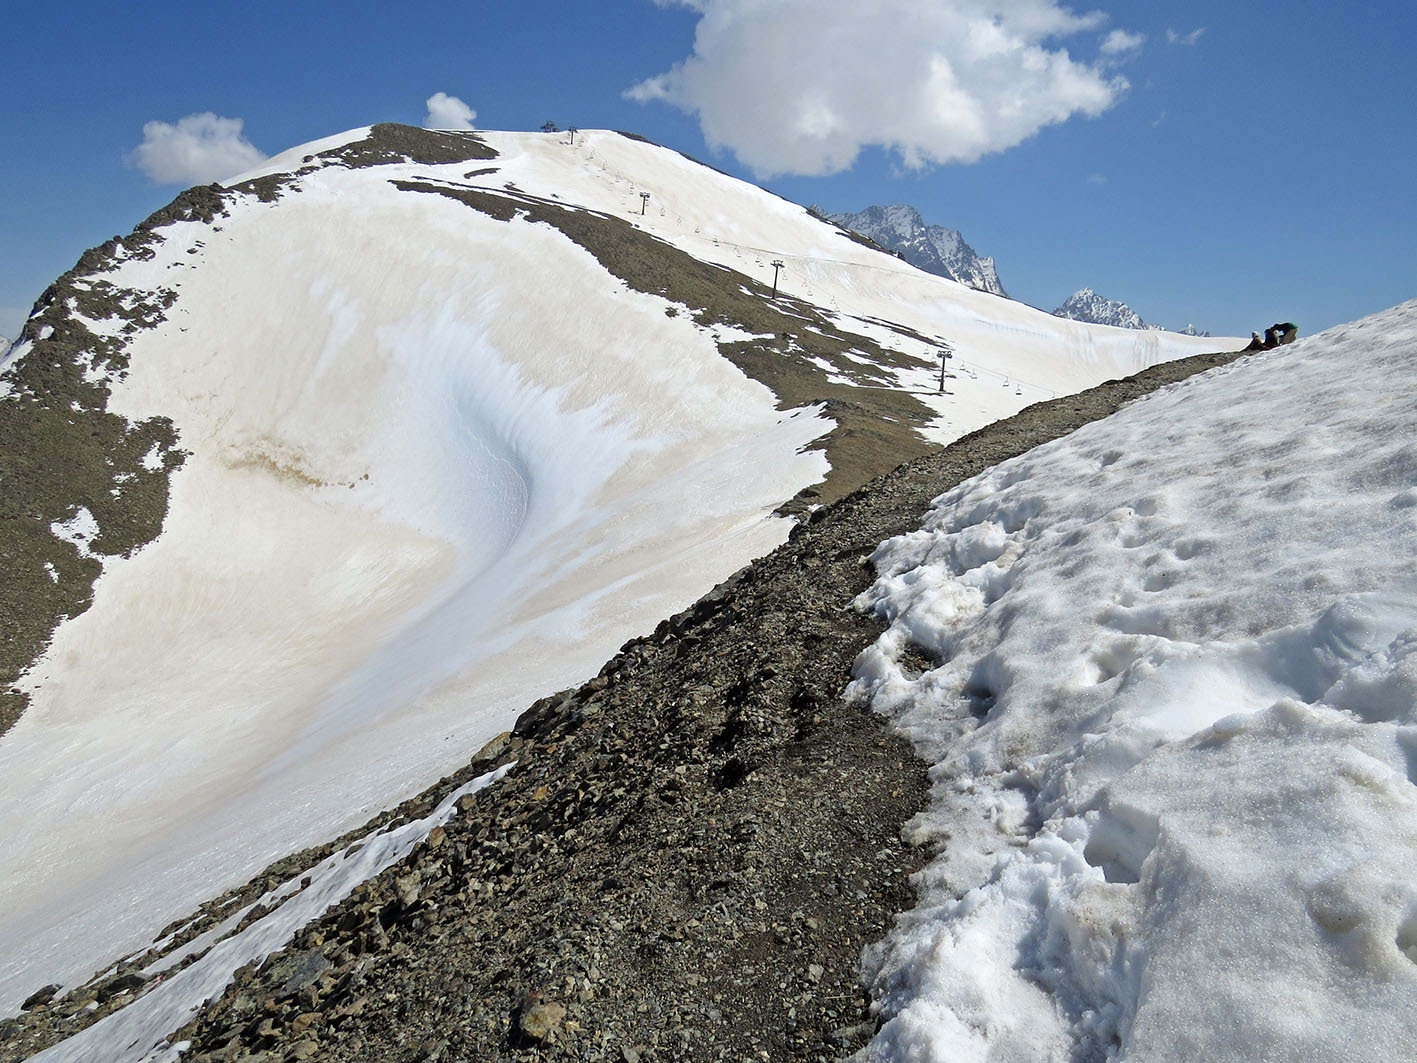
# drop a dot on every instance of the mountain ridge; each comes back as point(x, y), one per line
point(901, 229)
point(1086, 305)
point(725, 712)
point(633, 312)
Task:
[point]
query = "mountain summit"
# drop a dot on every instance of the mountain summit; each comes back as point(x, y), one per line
point(943, 252)
point(933, 248)
point(1087, 305)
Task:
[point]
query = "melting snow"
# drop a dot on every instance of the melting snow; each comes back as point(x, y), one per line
point(80, 531)
point(412, 470)
point(1173, 718)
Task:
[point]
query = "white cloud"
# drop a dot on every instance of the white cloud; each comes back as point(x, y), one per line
point(448, 112)
point(1096, 179)
point(1188, 39)
point(801, 86)
point(199, 149)
point(1119, 41)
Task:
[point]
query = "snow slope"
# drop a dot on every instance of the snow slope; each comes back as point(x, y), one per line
point(1171, 701)
point(1006, 356)
point(439, 465)
point(416, 500)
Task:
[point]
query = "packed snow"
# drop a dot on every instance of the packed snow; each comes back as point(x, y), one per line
point(1166, 672)
point(1006, 354)
point(439, 466)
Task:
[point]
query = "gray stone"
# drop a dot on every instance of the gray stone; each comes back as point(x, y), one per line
point(40, 996)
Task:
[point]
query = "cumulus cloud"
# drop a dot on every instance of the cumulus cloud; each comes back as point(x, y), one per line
point(197, 150)
point(448, 112)
point(1119, 42)
point(801, 86)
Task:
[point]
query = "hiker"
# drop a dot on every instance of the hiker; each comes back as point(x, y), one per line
point(1280, 333)
point(1256, 344)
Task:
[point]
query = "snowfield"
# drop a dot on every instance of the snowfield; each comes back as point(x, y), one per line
point(439, 465)
point(1169, 690)
point(416, 501)
point(1006, 354)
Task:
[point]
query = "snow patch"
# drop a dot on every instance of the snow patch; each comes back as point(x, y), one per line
point(1172, 707)
point(79, 531)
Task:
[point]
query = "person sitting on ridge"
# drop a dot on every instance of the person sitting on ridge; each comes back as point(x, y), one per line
point(1281, 332)
point(1256, 344)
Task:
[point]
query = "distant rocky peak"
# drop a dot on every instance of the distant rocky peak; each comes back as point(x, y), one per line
point(1087, 306)
point(899, 227)
point(900, 218)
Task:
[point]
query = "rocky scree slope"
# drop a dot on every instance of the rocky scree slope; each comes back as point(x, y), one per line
point(684, 863)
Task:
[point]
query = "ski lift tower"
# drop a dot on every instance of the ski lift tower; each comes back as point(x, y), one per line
point(945, 353)
point(644, 202)
point(776, 265)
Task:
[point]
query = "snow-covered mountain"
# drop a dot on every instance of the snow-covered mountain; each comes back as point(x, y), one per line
point(943, 252)
point(1087, 305)
point(320, 477)
point(933, 248)
point(345, 462)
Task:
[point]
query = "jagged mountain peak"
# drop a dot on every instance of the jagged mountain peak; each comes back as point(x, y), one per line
point(1086, 305)
point(900, 218)
point(899, 227)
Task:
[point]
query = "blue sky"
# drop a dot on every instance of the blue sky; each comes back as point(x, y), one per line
point(1218, 163)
